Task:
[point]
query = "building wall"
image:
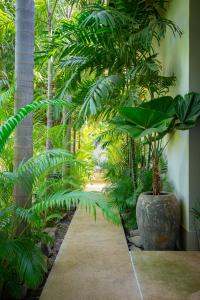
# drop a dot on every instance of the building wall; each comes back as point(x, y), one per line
point(194, 136)
point(179, 56)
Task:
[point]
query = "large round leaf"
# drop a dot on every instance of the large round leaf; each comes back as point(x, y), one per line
point(142, 121)
point(163, 104)
point(187, 110)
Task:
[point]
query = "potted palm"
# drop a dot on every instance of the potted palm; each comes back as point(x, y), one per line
point(158, 212)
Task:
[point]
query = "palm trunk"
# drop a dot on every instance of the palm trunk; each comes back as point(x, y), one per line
point(149, 156)
point(156, 177)
point(69, 135)
point(129, 155)
point(133, 163)
point(24, 64)
point(66, 121)
point(49, 143)
point(74, 142)
point(79, 139)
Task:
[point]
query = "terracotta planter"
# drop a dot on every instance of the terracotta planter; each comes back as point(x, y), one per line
point(158, 219)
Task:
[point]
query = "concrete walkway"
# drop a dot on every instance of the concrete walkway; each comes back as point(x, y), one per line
point(93, 262)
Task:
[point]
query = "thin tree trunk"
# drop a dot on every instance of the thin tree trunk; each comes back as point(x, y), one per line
point(66, 121)
point(49, 143)
point(24, 64)
point(74, 142)
point(79, 139)
point(149, 156)
point(64, 138)
point(129, 155)
point(133, 163)
point(69, 135)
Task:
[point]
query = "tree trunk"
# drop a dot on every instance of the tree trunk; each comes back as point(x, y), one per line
point(133, 163)
point(49, 143)
point(156, 177)
point(24, 64)
point(74, 142)
point(66, 121)
point(79, 139)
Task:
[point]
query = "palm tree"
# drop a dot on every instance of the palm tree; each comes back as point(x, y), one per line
point(24, 64)
point(107, 53)
point(114, 45)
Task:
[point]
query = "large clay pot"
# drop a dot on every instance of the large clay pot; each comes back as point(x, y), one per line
point(158, 219)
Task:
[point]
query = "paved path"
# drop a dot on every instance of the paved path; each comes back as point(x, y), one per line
point(93, 262)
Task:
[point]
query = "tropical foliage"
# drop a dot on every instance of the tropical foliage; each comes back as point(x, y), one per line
point(153, 120)
point(91, 58)
point(21, 228)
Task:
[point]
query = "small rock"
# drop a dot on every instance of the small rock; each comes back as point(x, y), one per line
point(136, 240)
point(134, 248)
point(133, 233)
point(51, 231)
point(45, 250)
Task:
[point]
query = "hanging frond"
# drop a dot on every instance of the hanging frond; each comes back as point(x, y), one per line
point(99, 92)
point(88, 200)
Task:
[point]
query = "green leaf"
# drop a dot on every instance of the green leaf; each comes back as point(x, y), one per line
point(29, 172)
point(9, 126)
point(143, 122)
point(88, 200)
point(187, 110)
point(162, 104)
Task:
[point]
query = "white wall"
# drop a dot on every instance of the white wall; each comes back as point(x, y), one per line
point(174, 54)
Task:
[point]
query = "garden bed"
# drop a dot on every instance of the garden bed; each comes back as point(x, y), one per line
point(132, 238)
point(59, 231)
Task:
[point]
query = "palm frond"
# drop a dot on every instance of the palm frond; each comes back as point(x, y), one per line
point(25, 257)
point(6, 22)
point(29, 172)
point(5, 95)
point(88, 200)
point(99, 92)
point(9, 126)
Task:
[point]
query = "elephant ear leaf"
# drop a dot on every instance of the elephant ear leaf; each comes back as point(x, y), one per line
point(142, 121)
point(163, 104)
point(187, 110)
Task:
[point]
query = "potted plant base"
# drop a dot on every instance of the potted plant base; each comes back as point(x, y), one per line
point(158, 219)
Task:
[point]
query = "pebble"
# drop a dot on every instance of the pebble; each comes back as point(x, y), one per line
point(134, 232)
point(136, 240)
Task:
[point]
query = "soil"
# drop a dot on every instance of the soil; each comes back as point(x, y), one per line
point(61, 230)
